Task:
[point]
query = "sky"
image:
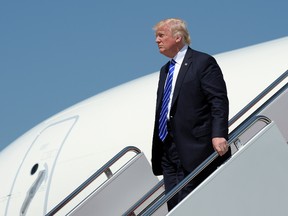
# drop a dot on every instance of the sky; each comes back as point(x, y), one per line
point(56, 53)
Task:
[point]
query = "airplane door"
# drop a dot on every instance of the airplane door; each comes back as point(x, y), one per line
point(30, 189)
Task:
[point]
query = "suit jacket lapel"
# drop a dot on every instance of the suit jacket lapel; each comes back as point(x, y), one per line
point(182, 72)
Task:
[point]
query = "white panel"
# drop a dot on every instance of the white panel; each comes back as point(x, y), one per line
point(253, 182)
point(277, 111)
point(122, 191)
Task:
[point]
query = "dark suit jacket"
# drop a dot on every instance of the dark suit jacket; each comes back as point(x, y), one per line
point(199, 110)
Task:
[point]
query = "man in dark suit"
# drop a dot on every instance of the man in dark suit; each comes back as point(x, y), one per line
point(195, 122)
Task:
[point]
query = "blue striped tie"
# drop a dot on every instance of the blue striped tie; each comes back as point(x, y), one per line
point(165, 101)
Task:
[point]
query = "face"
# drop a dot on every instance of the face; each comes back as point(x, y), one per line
point(167, 43)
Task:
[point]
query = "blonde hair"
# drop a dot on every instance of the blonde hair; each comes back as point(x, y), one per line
point(176, 26)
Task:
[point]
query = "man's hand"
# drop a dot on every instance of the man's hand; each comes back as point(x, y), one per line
point(220, 145)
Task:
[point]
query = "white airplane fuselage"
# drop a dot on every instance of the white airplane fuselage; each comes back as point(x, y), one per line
point(44, 165)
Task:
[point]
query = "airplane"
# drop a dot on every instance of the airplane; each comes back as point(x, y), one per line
point(49, 163)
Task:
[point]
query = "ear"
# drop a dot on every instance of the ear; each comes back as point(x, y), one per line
point(178, 38)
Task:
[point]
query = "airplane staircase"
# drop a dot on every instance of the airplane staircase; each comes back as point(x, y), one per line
point(254, 181)
point(117, 193)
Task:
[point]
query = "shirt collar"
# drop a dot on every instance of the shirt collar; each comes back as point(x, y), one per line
point(180, 55)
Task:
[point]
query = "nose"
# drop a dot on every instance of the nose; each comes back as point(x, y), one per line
point(157, 40)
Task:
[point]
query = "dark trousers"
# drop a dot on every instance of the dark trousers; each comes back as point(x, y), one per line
point(174, 173)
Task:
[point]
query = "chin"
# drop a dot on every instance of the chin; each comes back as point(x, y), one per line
point(162, 51)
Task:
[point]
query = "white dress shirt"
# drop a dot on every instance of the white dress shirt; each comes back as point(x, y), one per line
point(179, 59)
